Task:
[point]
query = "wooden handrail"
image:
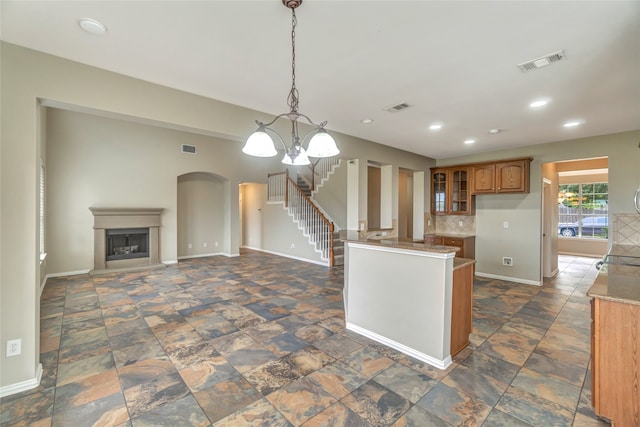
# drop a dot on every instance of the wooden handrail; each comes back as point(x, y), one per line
point(316, 210)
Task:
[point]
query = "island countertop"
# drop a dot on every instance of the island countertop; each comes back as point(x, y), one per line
point(356, 237)
point(618, 283)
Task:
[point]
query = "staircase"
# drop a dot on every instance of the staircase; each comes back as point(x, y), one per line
point(296, 196)
point(338, 249)
point(304, 186)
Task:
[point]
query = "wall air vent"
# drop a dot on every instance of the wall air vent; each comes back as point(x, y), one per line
point(397, 107)
point(189, 149)
point(543, 61)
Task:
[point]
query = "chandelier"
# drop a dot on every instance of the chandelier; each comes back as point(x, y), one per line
point(321, 144)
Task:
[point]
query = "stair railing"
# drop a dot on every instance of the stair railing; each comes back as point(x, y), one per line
point(281, 188)
point(316, 225)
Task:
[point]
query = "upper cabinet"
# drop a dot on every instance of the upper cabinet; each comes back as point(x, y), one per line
point(509, 176)
point(451, 191)
point(453, 187)
point(484, 179)
point(513, 177)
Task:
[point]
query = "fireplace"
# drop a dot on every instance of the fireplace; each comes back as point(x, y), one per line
point(126, 238)
point(127, 243)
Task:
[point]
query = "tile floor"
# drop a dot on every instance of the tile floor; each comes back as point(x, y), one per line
point(260, 340)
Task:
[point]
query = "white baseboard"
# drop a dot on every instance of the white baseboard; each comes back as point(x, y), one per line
point(67, 273)
point(199, 256)
point(24, 385)
point(553, 273)
point(430, 360)
point(509, 279)
point(325, 264)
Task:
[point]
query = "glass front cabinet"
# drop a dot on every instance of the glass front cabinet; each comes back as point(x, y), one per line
point(451, 191)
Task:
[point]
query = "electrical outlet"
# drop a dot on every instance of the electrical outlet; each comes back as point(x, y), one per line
point(190, 246)
point(293, 246)
point(384, 233)
point(204, 245)
point(505, 224)
point(508, 261)
point(460, 224)
point(362, 226)
point(429, 222)
point(14, 347)
point(216, 244)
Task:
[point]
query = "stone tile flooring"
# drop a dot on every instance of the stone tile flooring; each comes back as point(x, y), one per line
point(260, 340)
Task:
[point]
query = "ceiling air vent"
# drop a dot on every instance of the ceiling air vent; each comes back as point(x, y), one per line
point(543, 61)
point(397, 107)
point(189, 149)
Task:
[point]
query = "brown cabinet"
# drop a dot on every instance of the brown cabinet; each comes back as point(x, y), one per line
point(512, 177)
point(451, 191)
point(484, 179)
point(509, 176)
point(615, 361)
point(467, 244)
point(461, 307)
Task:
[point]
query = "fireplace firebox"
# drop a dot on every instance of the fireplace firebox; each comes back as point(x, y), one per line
point(125, 239)
point(126, 243)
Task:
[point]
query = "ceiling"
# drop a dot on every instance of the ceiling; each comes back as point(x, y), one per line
point(452, 62)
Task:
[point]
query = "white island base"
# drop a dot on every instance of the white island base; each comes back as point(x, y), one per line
point(401, 297)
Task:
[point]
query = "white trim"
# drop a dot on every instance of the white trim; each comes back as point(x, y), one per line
point(554, 273)
point(430, 360)
point(581, 254)
point(396, 250)
point(509, 279)
point(67, 273)
point(200, 256)
point(24, 385)
point(170, 261)
point(324, 264)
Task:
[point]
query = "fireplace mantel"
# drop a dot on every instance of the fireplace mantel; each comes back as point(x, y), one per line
point(109, 218)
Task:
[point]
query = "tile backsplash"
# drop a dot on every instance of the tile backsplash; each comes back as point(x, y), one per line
point(456, 224)
point(626, 229)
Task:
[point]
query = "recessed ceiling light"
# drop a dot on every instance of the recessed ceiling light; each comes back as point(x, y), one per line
point(494, 131)
point(572, 124)
point(92, 26)
point(366, 121)
point(539, 103)
point(469, 141)
point(436, 126)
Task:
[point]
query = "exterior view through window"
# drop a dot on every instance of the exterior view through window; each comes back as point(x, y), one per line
point(583, 210)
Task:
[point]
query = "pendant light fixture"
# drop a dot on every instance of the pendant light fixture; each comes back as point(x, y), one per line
point(321, 144)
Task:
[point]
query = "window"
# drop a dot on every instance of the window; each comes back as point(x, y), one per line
point(42, 201)
point(583, 210)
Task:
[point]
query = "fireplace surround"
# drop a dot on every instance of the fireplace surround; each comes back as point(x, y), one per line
point(125, 238)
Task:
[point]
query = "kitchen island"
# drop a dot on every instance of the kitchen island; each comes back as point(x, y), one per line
point(402, 294)
point(615, 337)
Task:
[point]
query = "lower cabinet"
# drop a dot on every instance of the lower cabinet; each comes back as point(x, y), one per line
point(467, 244)
point(461, 307)
point(615, 361)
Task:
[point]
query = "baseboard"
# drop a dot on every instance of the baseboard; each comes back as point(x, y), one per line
point(509, 279)
point(22, 386)
point(553, 273)
point(199, 256)
point(67, 273)
point(430, 360)
point(325, 264)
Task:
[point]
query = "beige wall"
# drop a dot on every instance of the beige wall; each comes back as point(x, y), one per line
point(201, 220)
point(522, 240)
point(30, 79)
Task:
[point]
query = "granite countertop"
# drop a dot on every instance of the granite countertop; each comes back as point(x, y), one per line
point(419, 245)
point(462, 262)
point(452, 235)
point(618, 283)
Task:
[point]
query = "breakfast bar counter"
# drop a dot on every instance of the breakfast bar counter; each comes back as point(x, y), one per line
point(401, 294)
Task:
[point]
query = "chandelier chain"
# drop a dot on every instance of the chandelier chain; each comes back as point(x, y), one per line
point(293, 98)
